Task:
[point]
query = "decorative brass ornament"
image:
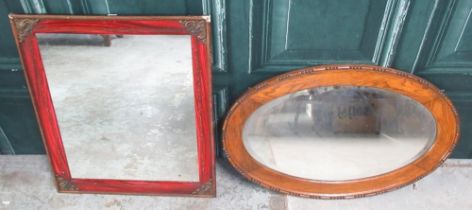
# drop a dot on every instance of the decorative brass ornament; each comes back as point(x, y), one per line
point(196, 28)
point(24, 27)
point(65, 184)
point(204, 189)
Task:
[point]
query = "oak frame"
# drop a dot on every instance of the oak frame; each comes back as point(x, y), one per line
point(198, 27)
point(443, 111)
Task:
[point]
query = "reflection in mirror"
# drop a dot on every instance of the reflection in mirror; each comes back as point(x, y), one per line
point(124, 104)
point(339, 133)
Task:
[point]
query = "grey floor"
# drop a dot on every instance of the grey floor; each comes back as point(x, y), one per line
point(26, 183)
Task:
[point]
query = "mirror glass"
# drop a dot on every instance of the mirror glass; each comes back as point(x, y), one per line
point(339, 132)
point(124, 104)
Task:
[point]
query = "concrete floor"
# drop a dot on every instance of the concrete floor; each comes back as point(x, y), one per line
point(26, 183)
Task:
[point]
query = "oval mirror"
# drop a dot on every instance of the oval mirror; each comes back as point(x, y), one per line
point(340, 131)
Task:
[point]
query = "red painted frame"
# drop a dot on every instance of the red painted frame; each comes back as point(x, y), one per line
point(26, 26)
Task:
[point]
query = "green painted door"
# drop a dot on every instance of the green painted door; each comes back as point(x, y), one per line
point(257, 39)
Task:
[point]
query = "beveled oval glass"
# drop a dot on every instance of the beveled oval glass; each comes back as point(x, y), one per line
point(340, 131)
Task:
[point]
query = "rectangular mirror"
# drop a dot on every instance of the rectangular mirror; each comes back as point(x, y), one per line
point(123, 102)
point(124, 106)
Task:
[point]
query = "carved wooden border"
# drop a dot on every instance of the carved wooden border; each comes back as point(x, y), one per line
point(198, 27)
point(447, 127)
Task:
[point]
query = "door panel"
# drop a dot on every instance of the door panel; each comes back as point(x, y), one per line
point(447, 44)
point(298, 33)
